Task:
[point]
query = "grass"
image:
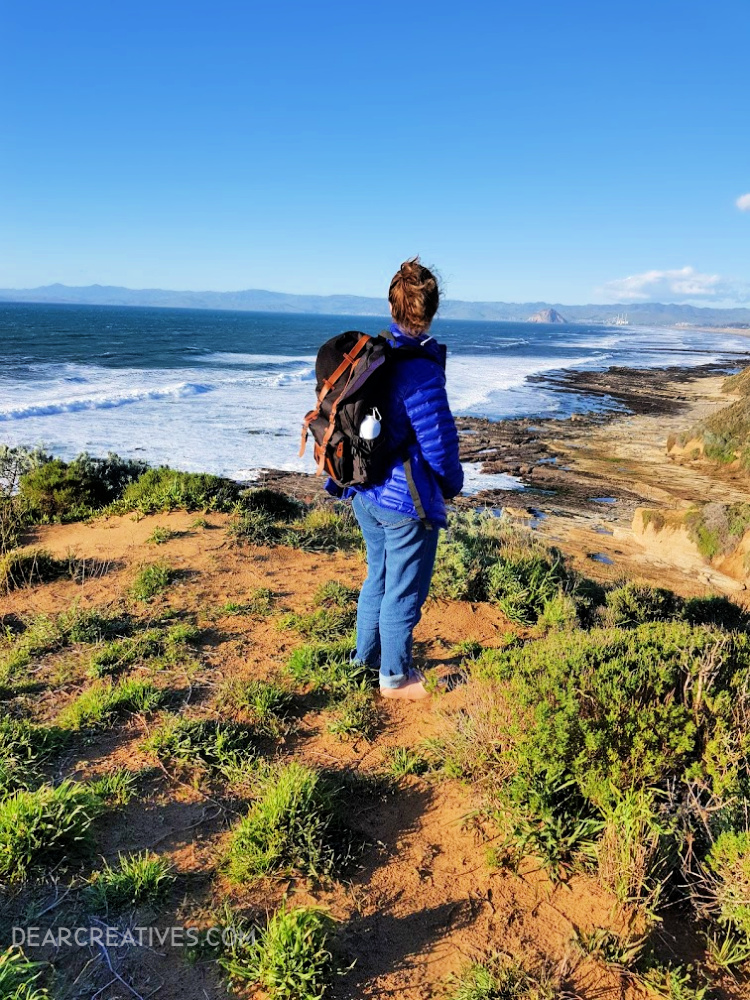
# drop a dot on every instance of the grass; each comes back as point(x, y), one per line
point(205, 743)
point(152, 580)
point(136, 879)
point(327, 667)
point(104, 702)
point(19, 977)
point(290, 959)
point(356, 716)
point(43, 634)
point(162, 647)
point(265, 704)
point(161, 535)
point(402, 761)
point(290, 828)
point(116, 787)
point(499, 978)
point(40, 828)
point(260, 603)
point(24, 747)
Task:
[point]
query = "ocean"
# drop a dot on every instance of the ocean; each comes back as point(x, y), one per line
point(225, 392)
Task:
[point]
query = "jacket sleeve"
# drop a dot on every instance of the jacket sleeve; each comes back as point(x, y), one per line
point(435, 429)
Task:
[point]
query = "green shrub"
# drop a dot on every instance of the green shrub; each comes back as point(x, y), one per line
point(164, 489)
point(40, 828)
point(290, 828)
point(633, 604)
point(152, 580)
point(19, 977)
point(61, 491)
point(202, 742)
point(716, 528)
point(278, 506)
point(15, 463)
point(483, 558)
point(137, 879)
point(27, 567)
point(557, 731)
point(290, 959)
point(264, 703)
point(726, 892)
point(104, 701)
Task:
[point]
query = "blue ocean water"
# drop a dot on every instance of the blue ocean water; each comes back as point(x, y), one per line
point(225, 392)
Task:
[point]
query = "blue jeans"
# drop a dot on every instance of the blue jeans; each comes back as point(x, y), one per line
point(400, 558)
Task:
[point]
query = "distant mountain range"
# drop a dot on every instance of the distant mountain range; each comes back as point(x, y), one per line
point(258, 300)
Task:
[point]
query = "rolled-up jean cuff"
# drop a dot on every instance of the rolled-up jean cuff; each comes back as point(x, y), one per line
point(393, 680)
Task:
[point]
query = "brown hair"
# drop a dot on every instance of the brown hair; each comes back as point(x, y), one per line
point(414, 296)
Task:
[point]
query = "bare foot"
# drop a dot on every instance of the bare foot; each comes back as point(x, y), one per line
point(413, 690)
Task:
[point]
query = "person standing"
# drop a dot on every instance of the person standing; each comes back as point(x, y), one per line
point(401, 516)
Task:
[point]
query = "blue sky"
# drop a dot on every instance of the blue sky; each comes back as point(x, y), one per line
point(566, 151)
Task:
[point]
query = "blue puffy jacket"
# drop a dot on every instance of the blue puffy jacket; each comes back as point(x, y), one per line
point(417, 412)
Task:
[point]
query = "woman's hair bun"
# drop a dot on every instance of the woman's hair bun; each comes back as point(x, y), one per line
point(414, 295)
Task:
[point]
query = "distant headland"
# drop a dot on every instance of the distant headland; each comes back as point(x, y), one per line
point(260, 300)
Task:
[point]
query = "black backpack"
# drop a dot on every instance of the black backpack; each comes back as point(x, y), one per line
point(352, 370)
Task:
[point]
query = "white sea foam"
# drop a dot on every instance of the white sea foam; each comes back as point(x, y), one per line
point(234, 413)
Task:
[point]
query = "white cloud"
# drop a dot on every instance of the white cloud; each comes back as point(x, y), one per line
point(671, 286)
point(743, 202)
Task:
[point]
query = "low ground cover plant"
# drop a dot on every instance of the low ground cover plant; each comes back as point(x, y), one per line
point(134, 880)
point(293, 826)
point(483, 558)
point(291, 957)
point(265, 704)
point(40, 828)
point(206, 743)
point(609, 748)
point(152, 580)
point(19, 976)
point(105, 701)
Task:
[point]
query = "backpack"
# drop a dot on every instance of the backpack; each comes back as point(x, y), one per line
point(351, 371)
